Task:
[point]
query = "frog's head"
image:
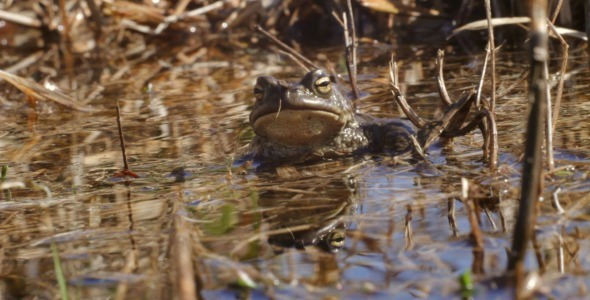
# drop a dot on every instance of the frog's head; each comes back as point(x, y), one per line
point(305, 113)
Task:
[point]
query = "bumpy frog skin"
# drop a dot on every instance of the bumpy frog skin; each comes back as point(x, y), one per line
point(311, 119)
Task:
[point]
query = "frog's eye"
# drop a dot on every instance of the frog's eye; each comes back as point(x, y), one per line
point(258, 92)
point(323, 85)
point(337, 239)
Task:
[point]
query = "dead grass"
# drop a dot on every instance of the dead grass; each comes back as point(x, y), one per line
point(182, 72)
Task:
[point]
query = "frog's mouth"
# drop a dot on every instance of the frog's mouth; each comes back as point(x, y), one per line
point(299, 127)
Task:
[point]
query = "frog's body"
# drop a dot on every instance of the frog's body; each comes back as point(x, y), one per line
point(311, 119)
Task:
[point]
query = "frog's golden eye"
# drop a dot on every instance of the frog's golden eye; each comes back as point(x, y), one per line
point(337, 239)
point(323, 85)
point(258, 92)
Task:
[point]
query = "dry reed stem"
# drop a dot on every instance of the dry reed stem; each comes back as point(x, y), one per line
point(493, 140)
point(548, 121)
point(20, 19)
point(483, 75)
point(121, 138)
point(483, 24)
point(67, 43)
point(562, 71)
point(182, 254)
point(179, 14)
point(401, 100)
point(350, 47)
point(532, 165)
point(338, 19)
point(25, 62)
point(490, 219)
point(556, 12)
point(476, 234)
point(472, 211)
point(39, 92)
point(293, 58)
point(180, 7)
point(587, 19)
point(555, 201)
point(493, 54)
point(442, 89)
point(452, 217)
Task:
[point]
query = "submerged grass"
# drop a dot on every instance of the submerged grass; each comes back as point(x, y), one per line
point(59, 273)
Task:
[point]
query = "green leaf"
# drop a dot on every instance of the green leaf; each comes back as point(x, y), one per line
point(466, 282)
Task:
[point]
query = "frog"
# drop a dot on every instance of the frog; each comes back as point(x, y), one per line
point(312, 119)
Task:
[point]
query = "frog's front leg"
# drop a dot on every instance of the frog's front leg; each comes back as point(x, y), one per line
point(451, 123)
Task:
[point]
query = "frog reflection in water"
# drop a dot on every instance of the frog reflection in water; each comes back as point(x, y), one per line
point(318, 219)
point(311, 119)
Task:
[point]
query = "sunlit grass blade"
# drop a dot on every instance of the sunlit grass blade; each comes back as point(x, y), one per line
point(37, 91)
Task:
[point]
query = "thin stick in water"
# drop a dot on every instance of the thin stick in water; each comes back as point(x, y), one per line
point(125, 171)
point(493, 54)
point(476, 235)
point(483, 76)
point(401, 100)
point(564, 59)
point(350, 47)
point(587, 19)
point(121, 139)
point(442, 89)
point(548, 121)
point(286, 48)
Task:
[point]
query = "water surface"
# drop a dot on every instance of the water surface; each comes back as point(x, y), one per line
point(402, 228)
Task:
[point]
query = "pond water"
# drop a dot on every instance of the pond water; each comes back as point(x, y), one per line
point(348, 228)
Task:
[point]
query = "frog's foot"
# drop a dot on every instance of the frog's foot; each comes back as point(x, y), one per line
point(452, 122)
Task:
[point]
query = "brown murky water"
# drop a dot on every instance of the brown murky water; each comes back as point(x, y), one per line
point(401, 229)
